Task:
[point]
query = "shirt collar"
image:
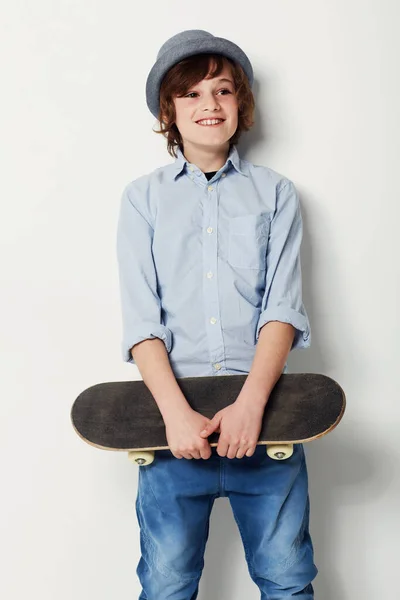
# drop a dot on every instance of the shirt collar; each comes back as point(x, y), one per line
point(233, 158)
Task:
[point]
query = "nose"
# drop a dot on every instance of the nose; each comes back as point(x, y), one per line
point(210, 102)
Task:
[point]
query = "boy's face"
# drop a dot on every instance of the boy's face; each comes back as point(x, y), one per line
point(209, 99)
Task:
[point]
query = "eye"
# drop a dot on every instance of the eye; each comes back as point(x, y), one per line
point(224, 90)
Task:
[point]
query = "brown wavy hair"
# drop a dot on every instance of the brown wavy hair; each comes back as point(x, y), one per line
point(187, 73)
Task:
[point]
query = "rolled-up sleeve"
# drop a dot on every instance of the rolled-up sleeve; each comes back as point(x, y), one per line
point(140, 303)
point(282, 298)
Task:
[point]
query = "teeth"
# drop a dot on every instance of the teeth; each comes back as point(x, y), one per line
point(210, 121)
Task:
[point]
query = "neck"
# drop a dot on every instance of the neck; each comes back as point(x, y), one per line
point(205, 158)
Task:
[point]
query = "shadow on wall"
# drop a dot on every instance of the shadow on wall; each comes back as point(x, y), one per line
point(345, 470)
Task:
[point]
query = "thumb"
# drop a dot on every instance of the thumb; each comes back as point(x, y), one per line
point(211, 426)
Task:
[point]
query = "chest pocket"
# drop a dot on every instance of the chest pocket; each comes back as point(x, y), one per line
point(247, 241)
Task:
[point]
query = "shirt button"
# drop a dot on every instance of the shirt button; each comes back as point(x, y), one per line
point(209, 274)
point(209, 229)
point(213, 320)
point(217, 366)
point(223, 175)
point(210, 188)
point(191, 168)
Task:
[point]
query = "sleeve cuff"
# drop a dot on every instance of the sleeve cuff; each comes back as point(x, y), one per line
point(146, 331)
point(302, 338)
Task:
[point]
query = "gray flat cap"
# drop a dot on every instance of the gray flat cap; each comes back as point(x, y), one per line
point(184, 44)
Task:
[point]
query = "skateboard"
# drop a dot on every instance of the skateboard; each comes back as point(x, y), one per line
point(124, 416)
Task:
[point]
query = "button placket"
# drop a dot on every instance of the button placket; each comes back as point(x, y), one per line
point(211, 296)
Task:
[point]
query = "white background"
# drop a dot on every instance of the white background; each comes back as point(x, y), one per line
point(75, 129)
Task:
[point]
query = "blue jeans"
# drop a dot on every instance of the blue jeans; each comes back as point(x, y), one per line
point(270, 504)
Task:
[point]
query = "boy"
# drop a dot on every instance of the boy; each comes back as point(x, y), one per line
point(210, 277)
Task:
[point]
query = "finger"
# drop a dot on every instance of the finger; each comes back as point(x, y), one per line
point(205, 453)
point(232, 450)
point(251, 450)
point(209, 428)
point(241, 451)
point(222, 447)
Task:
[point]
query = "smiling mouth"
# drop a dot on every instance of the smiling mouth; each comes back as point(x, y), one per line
point(215, 124)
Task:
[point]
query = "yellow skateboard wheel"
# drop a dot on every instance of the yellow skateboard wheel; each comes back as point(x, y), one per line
point(141, 458)
point(280, 452)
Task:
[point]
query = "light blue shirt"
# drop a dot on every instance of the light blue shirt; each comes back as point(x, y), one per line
point(203, 265)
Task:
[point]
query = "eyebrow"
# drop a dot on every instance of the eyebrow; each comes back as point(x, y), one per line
point(224, 79)
point(220, 79)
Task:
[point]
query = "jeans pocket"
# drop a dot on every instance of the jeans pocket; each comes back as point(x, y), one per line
point(248, 239)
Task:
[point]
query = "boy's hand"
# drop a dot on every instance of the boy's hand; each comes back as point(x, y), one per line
point(182, 431)
point(239, 426)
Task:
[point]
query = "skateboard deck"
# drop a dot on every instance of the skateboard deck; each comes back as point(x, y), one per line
point(123, 415)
